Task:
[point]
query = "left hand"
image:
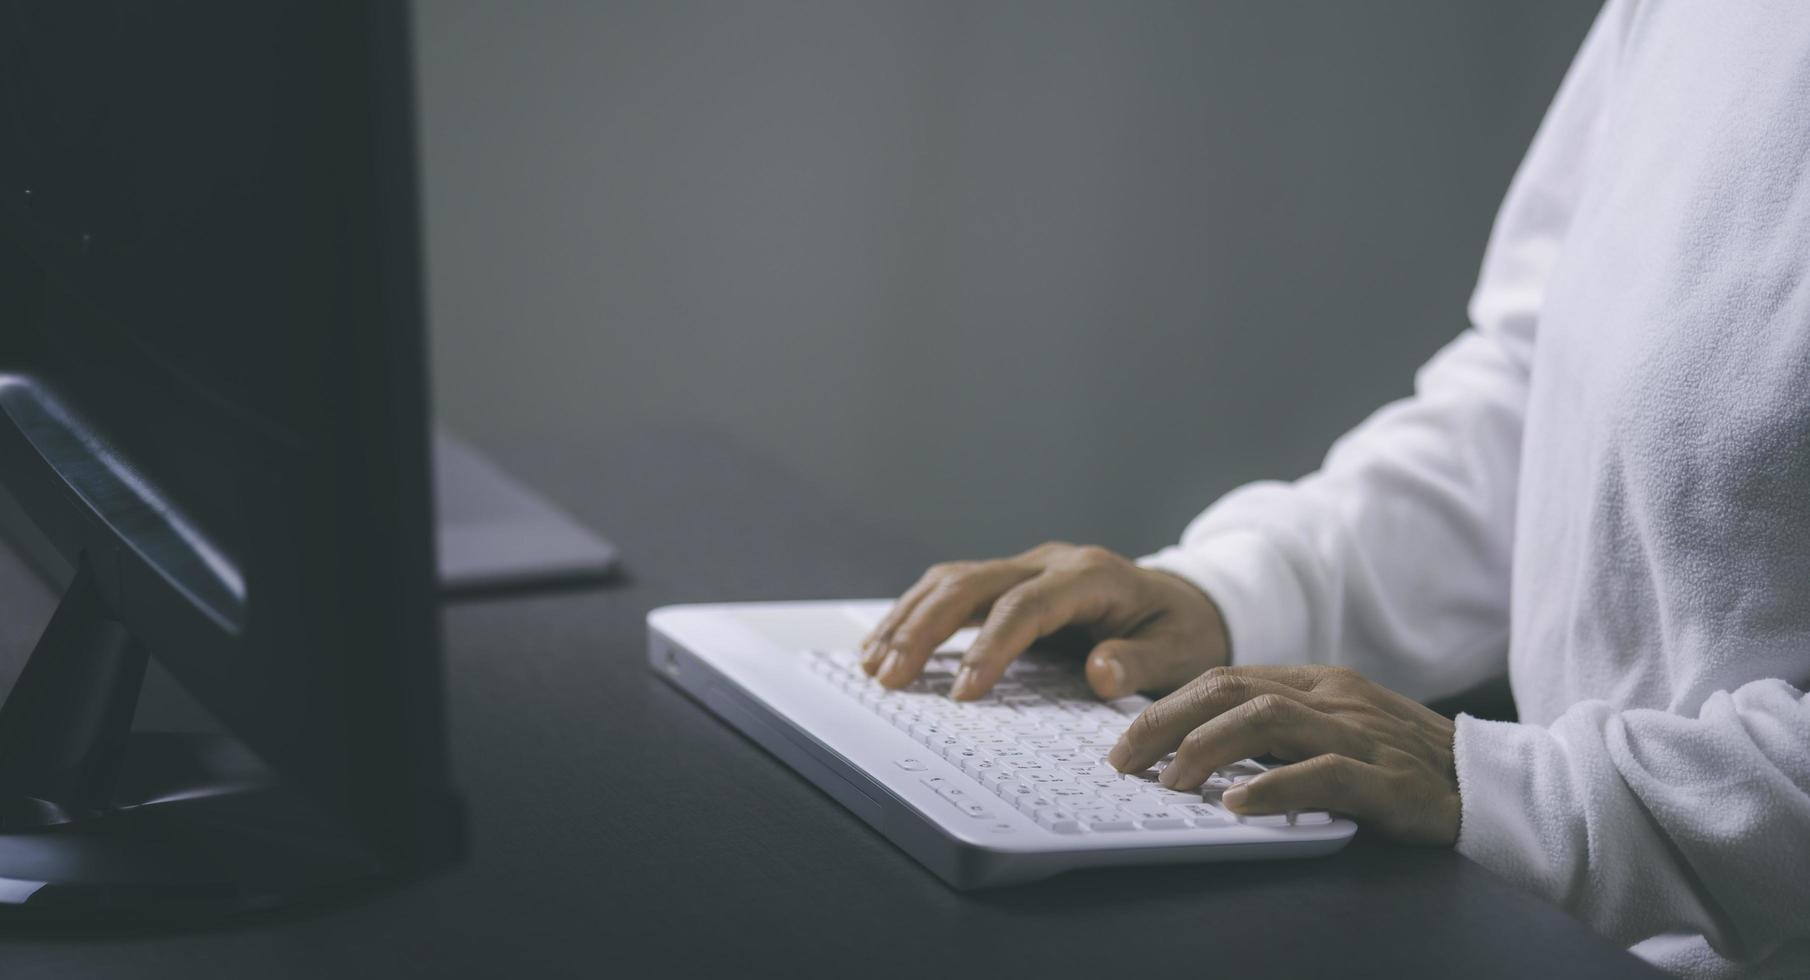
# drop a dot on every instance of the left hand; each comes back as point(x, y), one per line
point(1355, 747)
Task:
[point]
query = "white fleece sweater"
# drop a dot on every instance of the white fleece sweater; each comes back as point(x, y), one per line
point(1603, 486)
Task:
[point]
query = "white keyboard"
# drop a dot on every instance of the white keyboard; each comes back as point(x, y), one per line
point(1038, 741)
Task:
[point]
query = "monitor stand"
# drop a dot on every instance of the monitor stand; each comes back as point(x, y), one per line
point(103, 826)
point(496, 534)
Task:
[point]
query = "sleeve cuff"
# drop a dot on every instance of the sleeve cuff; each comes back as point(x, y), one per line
point(1247, 576)
point(1514, 820)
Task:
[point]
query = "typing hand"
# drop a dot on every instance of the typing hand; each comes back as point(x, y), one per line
point(1355, 747)
point(1150, 630)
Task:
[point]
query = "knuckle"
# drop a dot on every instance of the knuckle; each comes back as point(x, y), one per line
point(1219, 685)
point(937, 601)
point(906, 637)
point(1017, 604)
point(947, 569)
point(1093, 556)
point(1340, 676)
point(1334, 772)
point(1266, 710)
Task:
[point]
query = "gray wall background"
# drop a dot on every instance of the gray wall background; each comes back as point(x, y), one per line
point(988, 272)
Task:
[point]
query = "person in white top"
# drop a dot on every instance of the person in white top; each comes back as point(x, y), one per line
point(1602, 487)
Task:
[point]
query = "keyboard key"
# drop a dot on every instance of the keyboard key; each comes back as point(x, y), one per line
point(1206, 815)
point(948, 790)
point(1166, 823)
point(1312, 818)
point(911, 765)
point(1161, 796)
point(1095, 805)
point(1112, 826)
point(1033, 802)
point(997, 779)
point(977, 766)
point(1013, 790)
point(1264, 819)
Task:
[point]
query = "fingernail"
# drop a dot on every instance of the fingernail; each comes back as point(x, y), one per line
point(964, 685)
point(1234, 797)
point(891, 664)
point(1116, 758)
point(870, 658)
point(1115, 675)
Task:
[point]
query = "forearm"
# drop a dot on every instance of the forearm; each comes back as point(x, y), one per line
point(1393, 558)
point(1644, 822)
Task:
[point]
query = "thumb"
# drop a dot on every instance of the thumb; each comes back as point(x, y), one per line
point(1121, 667)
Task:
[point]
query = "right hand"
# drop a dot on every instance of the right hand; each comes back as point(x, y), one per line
point(1151, 631)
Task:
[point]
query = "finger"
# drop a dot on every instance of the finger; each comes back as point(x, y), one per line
point(1324, 782)
point(1161, 727)
point(1122, 667)
point(1268, 724)
point(1033, 609)
point(1323, 679)
point(873, 648)
point(957, 600)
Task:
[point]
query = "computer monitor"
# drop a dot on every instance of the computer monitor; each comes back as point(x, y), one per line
point(213, 408)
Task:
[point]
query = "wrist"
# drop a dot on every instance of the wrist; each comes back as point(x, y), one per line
point(1202, 609)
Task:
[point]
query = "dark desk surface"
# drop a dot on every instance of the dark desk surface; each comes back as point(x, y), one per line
point(618, 829)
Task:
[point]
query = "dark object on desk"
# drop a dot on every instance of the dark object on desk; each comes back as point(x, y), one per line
point(213, 411)
point(493, 535)
point(497, 535)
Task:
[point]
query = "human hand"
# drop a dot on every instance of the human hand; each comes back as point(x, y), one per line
point(1149, 630)
point(1355, 747)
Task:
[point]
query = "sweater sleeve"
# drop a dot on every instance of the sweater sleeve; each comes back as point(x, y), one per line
point(1647, 823)
point(1393, 557)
